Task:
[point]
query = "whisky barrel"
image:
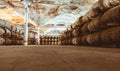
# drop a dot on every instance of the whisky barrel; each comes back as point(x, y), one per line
point(111, 35)
point(92, 13)
point(53, 43)
point(76, 32)
point(95, 26)
point(46, 43)
point(95, 10)
point(78, 23)
point(56, 39)
point(94, 39)
point(2, 41)
point(50, 40)
point(84, 40)
point(21, 42)
point(85, 29)
point(111, 15)
point(7, 33)
point(70, 41)
point(43, 43)
point(69, 34)
point(56, 43)
point(76, 41)
point(107, 4)
point(9, 42)
point(85, 18)
point(2, 31)
point(44, 39)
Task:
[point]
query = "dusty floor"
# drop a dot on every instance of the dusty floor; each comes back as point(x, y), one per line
point(59, 58)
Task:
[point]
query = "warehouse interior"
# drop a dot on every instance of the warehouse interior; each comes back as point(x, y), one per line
point(59, 35)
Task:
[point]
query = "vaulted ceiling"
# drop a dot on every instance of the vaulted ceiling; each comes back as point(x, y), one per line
point(48, 14)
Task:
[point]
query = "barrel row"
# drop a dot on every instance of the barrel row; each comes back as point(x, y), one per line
point(48, 40)
point(101, 27)
point(99, 8)
point(13, 35)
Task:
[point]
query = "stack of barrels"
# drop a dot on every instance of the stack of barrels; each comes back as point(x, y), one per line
point(5, 33)
point(13, 35)
point(32, 38)
point(48, 40)
point(66, 37)
point(16, 35)
point(100, 26)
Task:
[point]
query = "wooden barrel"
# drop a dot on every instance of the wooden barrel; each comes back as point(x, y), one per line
point(9, 42)
point(46, 43)
point(56, 43)
point(111, 35)
point(2, 31)
point(78, 23)
point(2, 41)
point(111, 15)
point(95, 26)
point(94, 39)
point(85, 29)
point(76, 32)
point(53, 43)
point(7, 33)
point(84, 40)
point(45, 40)
point(56, 39)
point(92, 13)
point(95, 10)
point(52, 39)
point(18, 42)
point(70, 41)
point(49, 40)
point(85, 18)
point(21, 42)
point(69, 34)
point(43, 43)
point(107, 4)
point(76, 41)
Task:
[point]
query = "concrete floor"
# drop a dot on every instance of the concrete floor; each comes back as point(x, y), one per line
point(59, 58)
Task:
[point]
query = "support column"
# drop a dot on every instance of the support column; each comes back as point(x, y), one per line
point(26, 24)
point(38, 35)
